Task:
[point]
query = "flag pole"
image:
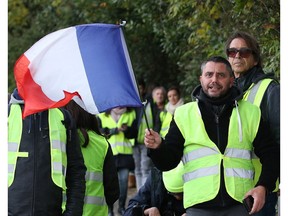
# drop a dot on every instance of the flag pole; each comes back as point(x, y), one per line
point(145, 116)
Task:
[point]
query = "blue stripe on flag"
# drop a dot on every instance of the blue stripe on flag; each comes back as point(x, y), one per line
point(105, 63)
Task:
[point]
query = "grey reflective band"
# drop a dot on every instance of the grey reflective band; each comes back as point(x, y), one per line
point(11, 168)
point(100, 201)
point(64, 196)
point(253, 92)
point(13, 147)
point(199, 153)
point(58, 167)
point(57, 144)
point(165, 128)
point(254, 156)
point(124, 144)
point(237, 172)
point(94, 176)
point(238, 153)
point(202, 172)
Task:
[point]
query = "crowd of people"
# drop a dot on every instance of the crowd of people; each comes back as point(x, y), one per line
point(205, 157)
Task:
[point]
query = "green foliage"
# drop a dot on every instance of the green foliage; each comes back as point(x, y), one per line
point(167, 39)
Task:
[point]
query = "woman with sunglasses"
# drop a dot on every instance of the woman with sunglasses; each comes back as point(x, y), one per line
point(243, 52)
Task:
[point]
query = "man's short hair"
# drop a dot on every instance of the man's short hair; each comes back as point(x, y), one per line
point(218, 59)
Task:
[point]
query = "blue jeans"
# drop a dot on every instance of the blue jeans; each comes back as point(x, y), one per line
point(123, 175)
point(143, 164)
point(269, 207)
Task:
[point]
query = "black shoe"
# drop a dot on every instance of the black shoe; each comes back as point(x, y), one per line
point(121, 210)
point(110, 211)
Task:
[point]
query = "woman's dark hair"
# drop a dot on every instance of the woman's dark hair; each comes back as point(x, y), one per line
point(175, 88)
point(84, 120)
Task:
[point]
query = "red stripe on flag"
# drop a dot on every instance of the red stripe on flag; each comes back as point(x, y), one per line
point(35, 99)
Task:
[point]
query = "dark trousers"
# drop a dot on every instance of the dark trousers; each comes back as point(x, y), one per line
point(269, 207)
point(237, 210)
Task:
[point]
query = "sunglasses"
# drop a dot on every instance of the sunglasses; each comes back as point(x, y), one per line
point(243, 52)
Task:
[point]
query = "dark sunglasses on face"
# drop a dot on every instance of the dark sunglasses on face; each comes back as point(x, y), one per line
point(243, 52)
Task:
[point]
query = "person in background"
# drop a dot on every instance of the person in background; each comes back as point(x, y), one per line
point(143, 163)
point(162, 194)
point(215, 136)
point(44, 160)
point(119, 127)
point(159, 98)
point(174, 101)
point(263, 90)
point(102, 188)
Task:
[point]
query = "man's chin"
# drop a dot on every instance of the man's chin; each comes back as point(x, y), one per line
point(214, 95)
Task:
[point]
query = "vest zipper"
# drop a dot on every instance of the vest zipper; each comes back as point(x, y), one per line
point(35, 161)
point(222, 184)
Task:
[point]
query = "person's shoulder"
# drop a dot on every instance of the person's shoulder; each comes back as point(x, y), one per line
point(68, 120)
point(185, 106)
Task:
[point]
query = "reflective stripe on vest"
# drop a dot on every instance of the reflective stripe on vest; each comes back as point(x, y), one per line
point(119, 143)
point(143, 125)
point(57, 132)
point(94, 156)
point(202, 158)
point(14, 125)
point(255, 94)
point(166, 124)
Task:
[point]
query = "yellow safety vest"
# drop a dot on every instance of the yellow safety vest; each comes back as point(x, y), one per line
point(166, 124)
point(94, 155)
point(119, 143)
point(202, 158)
point(57, 133)
point(143, 125)
point(255, 94)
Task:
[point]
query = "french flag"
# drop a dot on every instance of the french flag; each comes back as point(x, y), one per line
point(87, 63)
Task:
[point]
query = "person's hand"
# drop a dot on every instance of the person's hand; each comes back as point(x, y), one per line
point(153, 211)
point(152, 139)
point(123, 128)
point(259, 194)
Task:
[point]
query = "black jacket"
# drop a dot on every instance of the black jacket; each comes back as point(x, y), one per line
point(216, 116)
point(110, 178)
point(33, 192)
point(154, 194)
point(270, 104)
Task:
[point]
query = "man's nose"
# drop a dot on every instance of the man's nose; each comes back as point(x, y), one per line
point(214, 77)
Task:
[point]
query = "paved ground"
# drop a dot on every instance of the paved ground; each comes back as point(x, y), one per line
point(131, 193)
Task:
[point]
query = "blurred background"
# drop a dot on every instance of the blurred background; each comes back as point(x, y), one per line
point(166, 39)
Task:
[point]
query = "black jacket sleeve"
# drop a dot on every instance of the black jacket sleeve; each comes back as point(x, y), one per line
point(270, 109)
point(131, 131)
point(142, 198)
point(269, 155)
point(110, 178)
point(75, 178)
point(169, 154)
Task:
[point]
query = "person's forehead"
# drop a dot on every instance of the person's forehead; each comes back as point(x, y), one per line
point(158, 91)
point(238, 42)
point(215, 67)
